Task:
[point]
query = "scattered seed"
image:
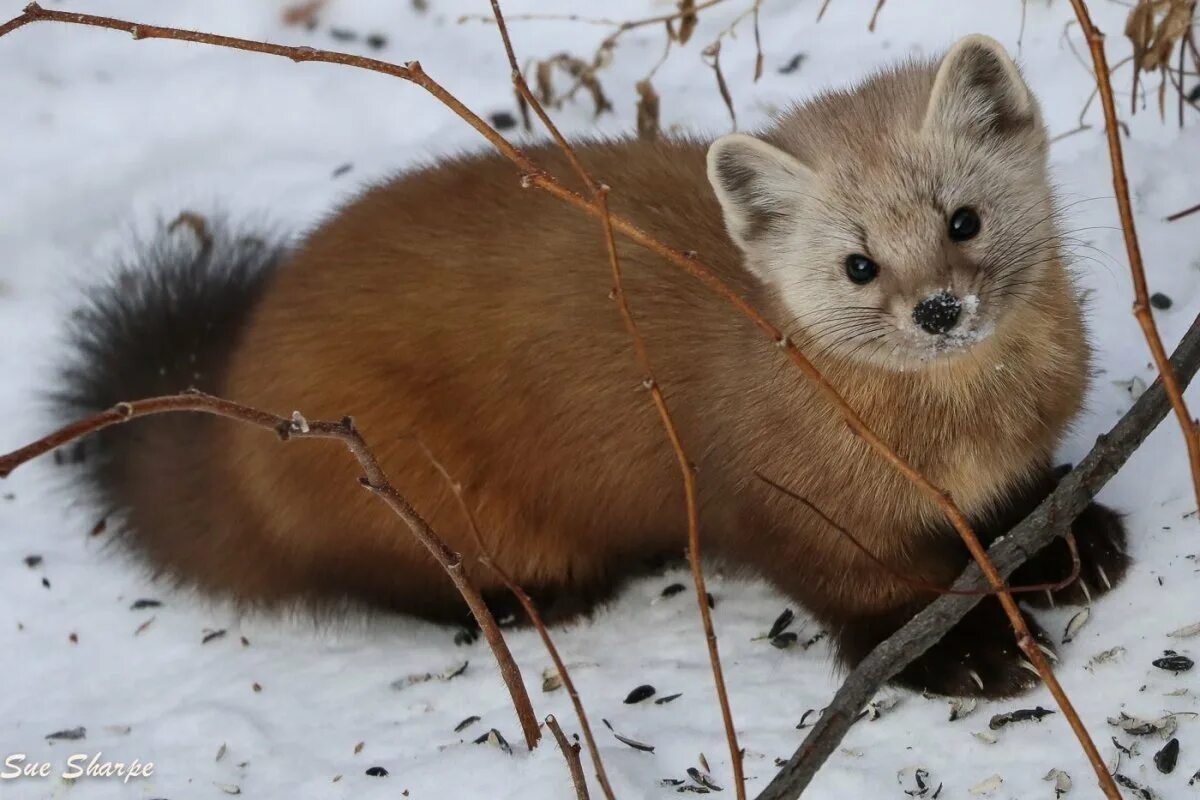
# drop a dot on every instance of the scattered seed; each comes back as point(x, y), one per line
point(1173, 662)
point(100, 527)
point(68, 735)
point(220, 752)
point(702, 779)
point(496, 739)
point(962, 707)
point(784, 640)
point(985, 737)
point(1160, 301)
point(1186, 631)
point(804, 719)
point(551, 680)
point(377, 772)
point(1166, 758)
point(1195, 779)
point(639, 694)
point(245, 642)
point(358, 748)
point(144, 603)
point(1076, 622)
point(1129, 751)
point(466, 636)
point(118, 730)
point(343, 34)
point(454, 672)
point(919, 776)
point(662, 701)
point(781, 624)
point(1104, 657)
point(210, 635)
point(712, 601)
point(229, 788)
point(46, 582)
point(1021, 715)
point(341, 170)
point(33, 561)
point(376, 41)
point(73, 638)
point(671, 782)
point(987, 786)
point(793, 64)
point(502, 120)
point(704, 763)
point(815, 638)
point(672, 590)
point(876, 707)
point(1140, 790)
point(1061, 780)
point(1164, 726)
point(141, 628)
point(466, 723)
point(625, 740)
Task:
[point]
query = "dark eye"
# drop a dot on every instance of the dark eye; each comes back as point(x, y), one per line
point(861, 269)
point(964, 224)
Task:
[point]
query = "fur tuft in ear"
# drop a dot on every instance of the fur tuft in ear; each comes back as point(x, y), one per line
point(979, 91)
point(757, 185)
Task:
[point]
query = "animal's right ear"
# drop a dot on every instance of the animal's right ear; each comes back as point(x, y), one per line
point(759, 186)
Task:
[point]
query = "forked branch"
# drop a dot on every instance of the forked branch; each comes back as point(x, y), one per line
point(374, 480)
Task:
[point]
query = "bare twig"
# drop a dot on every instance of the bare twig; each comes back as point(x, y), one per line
point(1052, 518)
point(916, 582)
point(600, 200)
point(1185, 212)
point(533, 176)
point(374, 480)
point(571, 754)
point(484, 556)
point(1141, 305)
point(875, 15)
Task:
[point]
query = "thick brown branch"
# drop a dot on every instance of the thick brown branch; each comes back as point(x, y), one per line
point(1052, 518)
point(1141, 305)
point(374, 479)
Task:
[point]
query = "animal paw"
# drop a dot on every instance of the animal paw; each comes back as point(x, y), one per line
point(979, 657)
point(1100, 539)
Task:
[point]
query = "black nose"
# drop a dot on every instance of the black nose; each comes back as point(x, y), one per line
point(938, 313)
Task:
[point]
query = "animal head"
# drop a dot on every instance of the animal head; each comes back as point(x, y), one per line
point(902, 221)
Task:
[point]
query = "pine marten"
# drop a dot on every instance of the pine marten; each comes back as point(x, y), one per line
point(903, 232)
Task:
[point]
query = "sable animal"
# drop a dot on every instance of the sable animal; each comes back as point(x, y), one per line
point(902, 231)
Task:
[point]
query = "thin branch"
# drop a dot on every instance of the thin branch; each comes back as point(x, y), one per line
point(600, 202)
point(1185, 212)
point(535, 618)
point(374, 480)
point(1141, 305)
point(915, 582)
point(1051, 519)
point(571, 754)
point(875, 15)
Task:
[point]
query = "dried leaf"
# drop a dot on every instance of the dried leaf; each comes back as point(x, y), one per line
point(647, 129)
point(962, 707)
point(1138, 789)
point(1020, 715)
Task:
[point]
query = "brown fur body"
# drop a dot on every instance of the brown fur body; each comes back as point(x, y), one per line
point(451, 306)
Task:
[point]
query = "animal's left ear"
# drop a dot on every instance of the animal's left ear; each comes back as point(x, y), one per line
point(979, 91)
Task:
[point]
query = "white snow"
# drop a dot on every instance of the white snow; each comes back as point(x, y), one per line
point(101, 134)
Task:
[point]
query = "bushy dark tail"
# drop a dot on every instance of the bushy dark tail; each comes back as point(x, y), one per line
point(161, 325)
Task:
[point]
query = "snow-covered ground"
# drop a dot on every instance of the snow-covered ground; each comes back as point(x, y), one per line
point(99, 135)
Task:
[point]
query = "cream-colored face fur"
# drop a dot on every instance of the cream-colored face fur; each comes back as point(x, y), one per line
point(903, 222)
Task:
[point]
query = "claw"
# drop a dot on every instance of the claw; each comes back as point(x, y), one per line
point(1104, 577)
point(1026, 665)
point(1050, 599)
point(1086, 592)
point(975, 677)
point(1050, 654)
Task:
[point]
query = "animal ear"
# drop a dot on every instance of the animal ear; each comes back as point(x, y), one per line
point(980, 92)
point(758, 186)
